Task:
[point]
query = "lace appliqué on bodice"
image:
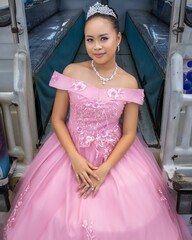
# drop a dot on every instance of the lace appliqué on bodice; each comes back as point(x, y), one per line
point(95, 113)
point(95, 122)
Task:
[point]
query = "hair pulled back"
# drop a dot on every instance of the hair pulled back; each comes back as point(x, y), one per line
point(114, 21)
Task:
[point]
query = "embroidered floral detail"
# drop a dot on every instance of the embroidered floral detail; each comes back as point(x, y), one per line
point(104, 141)
point(142, 96)
point(94, 121)
point(163, 198)
point(12, 219)
point(115, 93)
point(79, 86)
point(88, 229)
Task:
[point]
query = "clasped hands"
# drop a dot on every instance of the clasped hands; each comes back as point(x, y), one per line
point(89, 177)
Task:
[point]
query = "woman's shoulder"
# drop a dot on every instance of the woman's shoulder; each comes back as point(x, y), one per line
point(128, 80)
point(72, 73)
point(74, 70)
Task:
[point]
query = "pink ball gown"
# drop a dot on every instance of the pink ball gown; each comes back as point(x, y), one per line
point(133, 202)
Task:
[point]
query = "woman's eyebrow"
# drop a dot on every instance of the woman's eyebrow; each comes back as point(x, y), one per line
point(104, 34)
point(101, 35)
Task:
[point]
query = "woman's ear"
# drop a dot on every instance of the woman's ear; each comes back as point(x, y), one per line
point(119, 36)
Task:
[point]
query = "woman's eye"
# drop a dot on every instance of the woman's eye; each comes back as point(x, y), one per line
point(89, 40)
point(104, 38)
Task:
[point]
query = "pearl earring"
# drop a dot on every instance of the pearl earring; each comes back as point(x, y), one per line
point(118, 48)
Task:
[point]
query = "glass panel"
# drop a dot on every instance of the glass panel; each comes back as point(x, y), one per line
point(188, 13)
point(5, 18)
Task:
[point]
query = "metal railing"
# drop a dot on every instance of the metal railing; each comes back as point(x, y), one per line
point(176, 130)
point(179, 125)
point(16, 87)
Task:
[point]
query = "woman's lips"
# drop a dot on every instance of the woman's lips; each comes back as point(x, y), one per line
point(99, 55)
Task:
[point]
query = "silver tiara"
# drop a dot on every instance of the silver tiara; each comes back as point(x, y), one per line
point(99, 8)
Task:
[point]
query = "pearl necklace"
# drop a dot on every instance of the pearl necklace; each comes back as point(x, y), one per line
point(104, 80)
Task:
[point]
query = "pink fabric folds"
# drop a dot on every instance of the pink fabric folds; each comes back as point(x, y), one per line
point(133, 202)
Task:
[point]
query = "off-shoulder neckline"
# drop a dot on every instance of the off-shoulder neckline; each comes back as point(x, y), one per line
point(105, 88)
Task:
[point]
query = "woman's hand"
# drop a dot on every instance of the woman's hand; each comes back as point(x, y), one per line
point(85, 190)
point(84, 171)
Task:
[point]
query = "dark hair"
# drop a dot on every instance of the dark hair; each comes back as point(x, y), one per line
point(114, 21)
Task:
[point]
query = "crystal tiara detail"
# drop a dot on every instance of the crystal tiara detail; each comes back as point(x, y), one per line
point(99, 8)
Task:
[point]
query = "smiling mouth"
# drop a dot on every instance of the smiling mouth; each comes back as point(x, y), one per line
point(99, 55)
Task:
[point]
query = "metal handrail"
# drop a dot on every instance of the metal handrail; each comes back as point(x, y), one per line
point(12, 7)
point(178, 101)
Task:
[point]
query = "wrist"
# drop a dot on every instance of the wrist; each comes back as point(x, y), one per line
point(106, 166)
point(74, 156)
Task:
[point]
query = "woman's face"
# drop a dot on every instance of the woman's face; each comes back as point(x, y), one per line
point(101, 40)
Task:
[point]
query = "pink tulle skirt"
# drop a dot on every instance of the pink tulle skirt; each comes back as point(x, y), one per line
point(133, 202)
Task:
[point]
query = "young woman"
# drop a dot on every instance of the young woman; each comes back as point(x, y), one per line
point(93, 179)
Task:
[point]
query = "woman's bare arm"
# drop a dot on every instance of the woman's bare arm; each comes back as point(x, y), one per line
point(81, 166)
point(128, 135)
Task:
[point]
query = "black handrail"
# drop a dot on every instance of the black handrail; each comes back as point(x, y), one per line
point(14, 28)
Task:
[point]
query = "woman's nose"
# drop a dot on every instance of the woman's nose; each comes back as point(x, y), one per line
point(97, 46)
